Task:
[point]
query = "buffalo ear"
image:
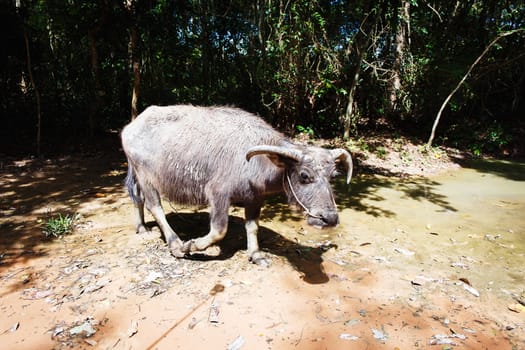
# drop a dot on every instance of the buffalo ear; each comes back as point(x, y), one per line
point(343, 156)
point(280, 156)
point(278, 161)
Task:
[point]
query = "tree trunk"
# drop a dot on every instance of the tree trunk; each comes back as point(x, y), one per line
point(403, 29)
point(37, 95)
point(438, 116)
point(96, 103)
point(134, 58)
point(350, 116)
point(361, 44)
point(135, 92)
point(18, 6)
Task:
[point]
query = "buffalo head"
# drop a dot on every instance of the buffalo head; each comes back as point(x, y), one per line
point(306, 176)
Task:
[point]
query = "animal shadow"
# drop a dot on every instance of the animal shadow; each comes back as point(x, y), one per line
point(305, 259)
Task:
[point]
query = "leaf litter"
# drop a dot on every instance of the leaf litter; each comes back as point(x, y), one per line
point(153, 271)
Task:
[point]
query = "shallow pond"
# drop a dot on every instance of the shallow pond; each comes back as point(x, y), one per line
point(469, 219)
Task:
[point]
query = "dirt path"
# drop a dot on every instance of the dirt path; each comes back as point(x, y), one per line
point(106, 287)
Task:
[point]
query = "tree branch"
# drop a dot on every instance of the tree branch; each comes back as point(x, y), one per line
point(438, 116)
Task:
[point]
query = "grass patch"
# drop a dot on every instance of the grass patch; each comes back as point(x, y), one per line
point(60, 225)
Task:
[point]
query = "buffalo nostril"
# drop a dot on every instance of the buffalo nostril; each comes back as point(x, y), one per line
point(330, 219)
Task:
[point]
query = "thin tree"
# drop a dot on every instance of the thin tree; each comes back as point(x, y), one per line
point(92, 35)
point(37, 95)
point(18, 6)
point(401, 44)
point(438, 116)
point(133, 55)
point(360, 44)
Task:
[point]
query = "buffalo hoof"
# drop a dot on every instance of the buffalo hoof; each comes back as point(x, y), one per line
point(141, 229)
point(258, 258)
point(189, 246)
point(177, 250)
point(213, 250)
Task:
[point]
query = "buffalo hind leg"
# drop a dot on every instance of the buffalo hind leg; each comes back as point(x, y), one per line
point(138, 201)
point(251, 214)
point(152, 201)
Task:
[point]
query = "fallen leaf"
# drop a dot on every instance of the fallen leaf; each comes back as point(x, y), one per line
point(464, 280)
point(33, 294)
point(346, 336)
point(14, 327)
point(193, 323)
point(133, 328)
point(517, 308)
point(471, 290)
point(214, 314)
point(460, 265)
point(237, 343)
point(379, 335)
point(404, 251)
point(352, 322)
point(85, 330)
point(91, 342)
point(444, 339)
point(154, 277)
point(58, 330)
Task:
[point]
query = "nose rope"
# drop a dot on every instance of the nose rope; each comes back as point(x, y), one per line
point(308, 212)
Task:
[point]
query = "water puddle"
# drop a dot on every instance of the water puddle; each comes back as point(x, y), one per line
point(469, 223)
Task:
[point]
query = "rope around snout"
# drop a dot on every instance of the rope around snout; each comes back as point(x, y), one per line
point(306, 210)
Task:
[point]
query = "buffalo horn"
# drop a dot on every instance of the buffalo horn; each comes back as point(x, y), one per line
point(345, 157)
point(273, 150)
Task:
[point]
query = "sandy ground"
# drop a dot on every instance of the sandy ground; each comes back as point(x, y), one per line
point(106, 287)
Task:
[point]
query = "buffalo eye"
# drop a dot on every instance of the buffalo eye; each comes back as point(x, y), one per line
point(305, 177)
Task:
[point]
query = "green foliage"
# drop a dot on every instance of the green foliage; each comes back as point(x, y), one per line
point(489, 140)
point(60, 225)
point(306, 130)
point(293, 62)
point(480, 138)
point(380, 152)
point(358, 145)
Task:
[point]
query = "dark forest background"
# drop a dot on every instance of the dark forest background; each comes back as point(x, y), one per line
point(72, 73)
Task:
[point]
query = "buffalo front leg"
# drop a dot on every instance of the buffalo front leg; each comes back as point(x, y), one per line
point(218, 228)
point(152, 200)
point(251, 214)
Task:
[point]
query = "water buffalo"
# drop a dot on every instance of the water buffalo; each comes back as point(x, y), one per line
point(219, 156)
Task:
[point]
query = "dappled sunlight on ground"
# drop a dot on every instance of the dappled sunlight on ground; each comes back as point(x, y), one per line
point(416, 261)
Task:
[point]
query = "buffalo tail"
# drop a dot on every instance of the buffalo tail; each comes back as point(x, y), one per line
point(132, 185)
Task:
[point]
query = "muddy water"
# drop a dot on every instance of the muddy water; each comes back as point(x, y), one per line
point(469, 224)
